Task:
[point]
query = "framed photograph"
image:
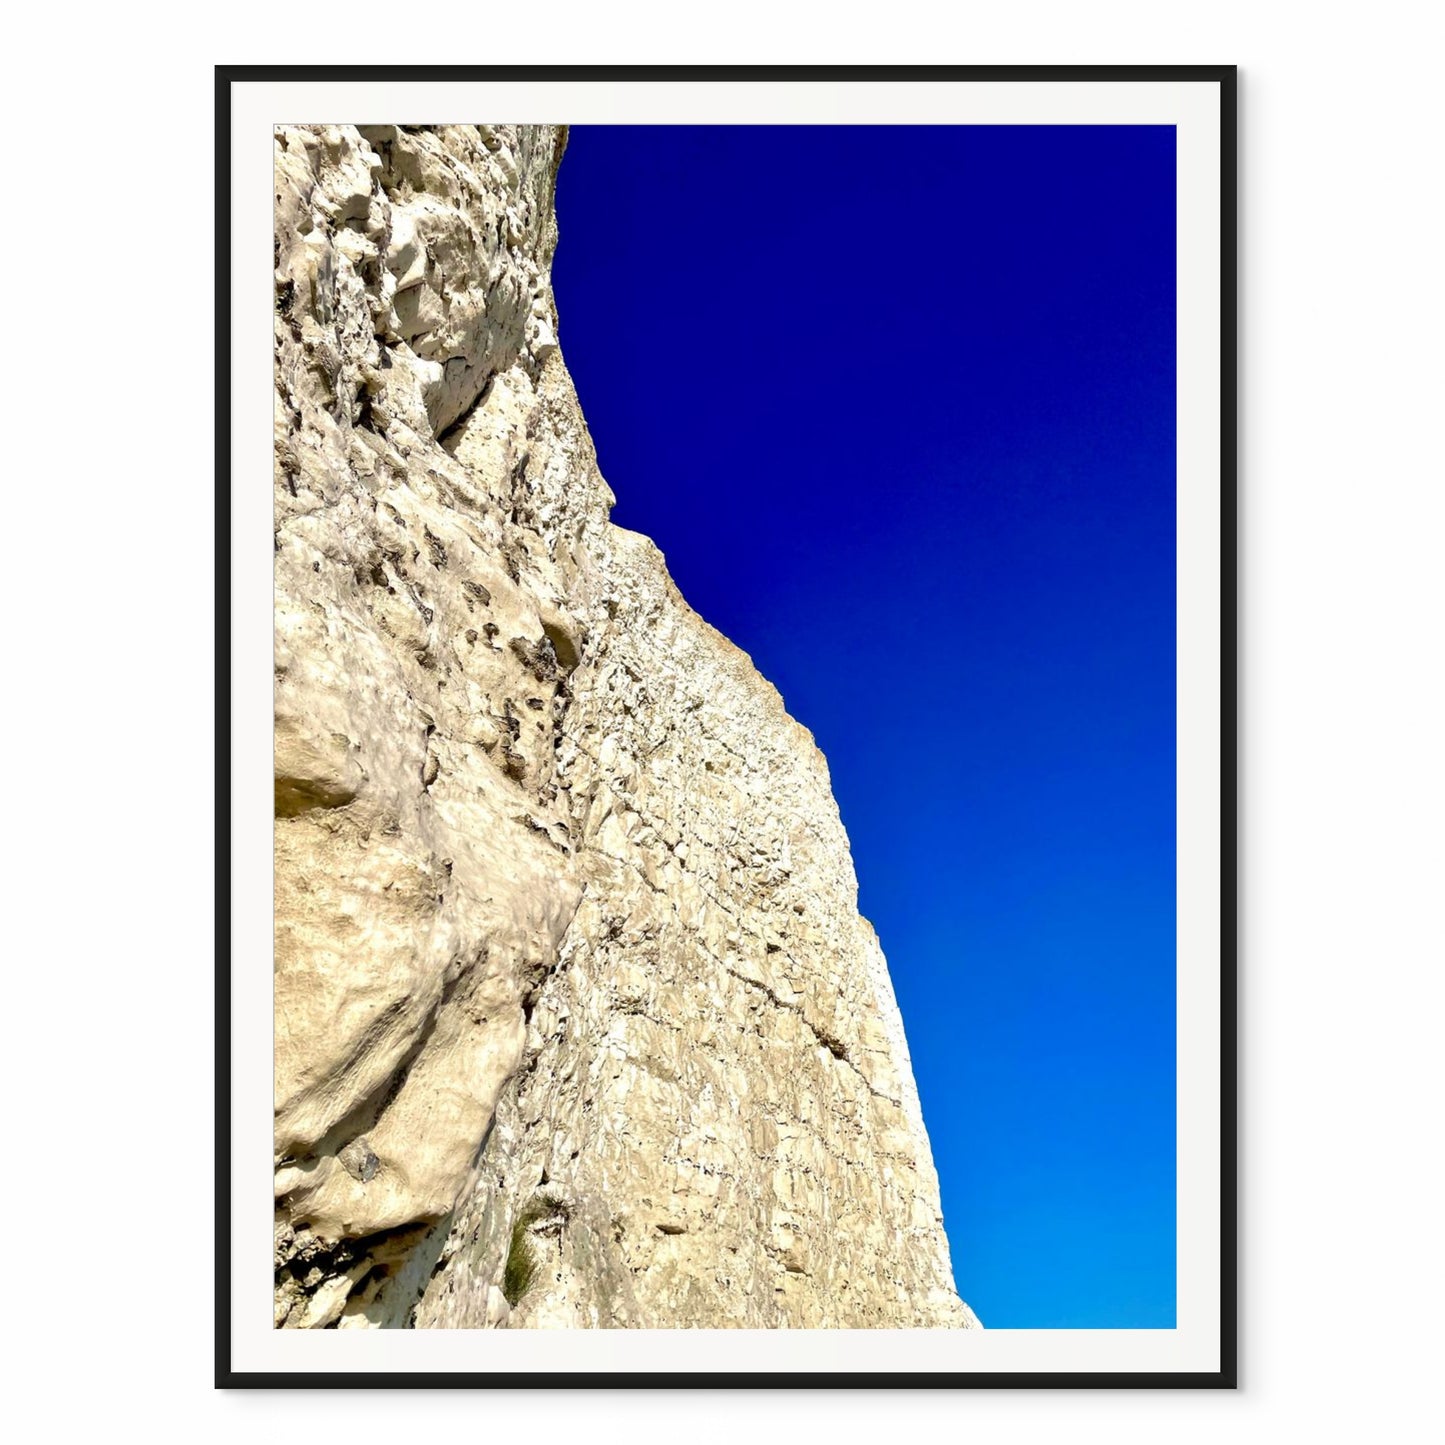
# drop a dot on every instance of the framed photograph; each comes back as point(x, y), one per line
point(741, 631)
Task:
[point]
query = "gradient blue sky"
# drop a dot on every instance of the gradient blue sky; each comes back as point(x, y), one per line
point(898, 406)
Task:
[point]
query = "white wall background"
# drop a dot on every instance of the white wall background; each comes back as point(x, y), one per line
point(108, 733)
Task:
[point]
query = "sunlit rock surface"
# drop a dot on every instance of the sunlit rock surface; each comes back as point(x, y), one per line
point(576, 1021)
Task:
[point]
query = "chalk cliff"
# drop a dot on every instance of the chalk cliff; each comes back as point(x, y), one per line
point(576, 1020)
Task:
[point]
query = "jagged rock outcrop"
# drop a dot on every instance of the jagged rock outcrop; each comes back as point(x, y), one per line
point(570, 979)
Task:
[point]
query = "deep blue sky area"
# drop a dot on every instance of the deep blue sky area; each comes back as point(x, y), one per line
point(897, 404)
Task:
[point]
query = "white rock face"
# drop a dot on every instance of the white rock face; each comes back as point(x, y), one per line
point(569, 970)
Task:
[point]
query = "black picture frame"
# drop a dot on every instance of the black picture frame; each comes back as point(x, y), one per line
point(1225, 77)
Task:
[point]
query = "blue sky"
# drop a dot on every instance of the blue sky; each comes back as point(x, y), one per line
point(898, 406)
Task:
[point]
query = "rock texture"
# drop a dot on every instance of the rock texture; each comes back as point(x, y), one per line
point(570, 980)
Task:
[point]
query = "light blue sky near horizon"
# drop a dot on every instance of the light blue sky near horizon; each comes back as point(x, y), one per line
point(898, 406)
